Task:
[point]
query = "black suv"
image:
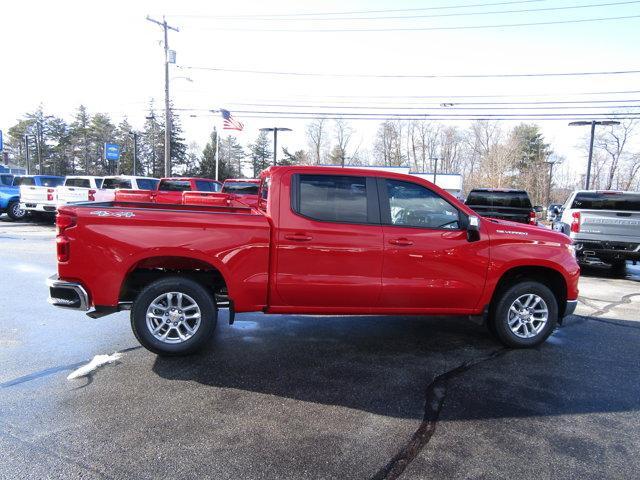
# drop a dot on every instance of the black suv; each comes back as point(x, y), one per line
point(505, 204)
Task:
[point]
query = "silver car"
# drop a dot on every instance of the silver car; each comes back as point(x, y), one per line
point(604, 226)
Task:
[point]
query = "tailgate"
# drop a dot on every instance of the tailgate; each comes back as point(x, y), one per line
point(34, 195)
point(128, 195)
point(610, 225)
point(72, 194)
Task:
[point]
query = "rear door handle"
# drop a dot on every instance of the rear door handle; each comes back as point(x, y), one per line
point(402, 242)
point(298, 237)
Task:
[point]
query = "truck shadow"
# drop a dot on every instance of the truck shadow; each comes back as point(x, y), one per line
point(385, 365)
point(631, 272)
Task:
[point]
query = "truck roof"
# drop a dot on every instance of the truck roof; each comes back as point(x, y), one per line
point(247, 180)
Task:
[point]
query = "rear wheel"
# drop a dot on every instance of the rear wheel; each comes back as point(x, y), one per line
point(174, 316)
point(15, 212)
point(525, 314)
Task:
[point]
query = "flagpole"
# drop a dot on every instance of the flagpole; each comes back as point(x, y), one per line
point(217, 152)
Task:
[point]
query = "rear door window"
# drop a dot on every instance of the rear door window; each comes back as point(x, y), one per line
point(175, 185)
point(147, 183)
point(206, 186)
point(241, 188)
point(333, 198)
point(113, 183)
point(23, 181)
point(624, 202)
point(77, 182)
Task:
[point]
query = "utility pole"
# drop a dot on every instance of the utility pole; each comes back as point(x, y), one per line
point(435, 168)
point(38, 147)
point(551, 164)
point(169, 57)
point(26, 154)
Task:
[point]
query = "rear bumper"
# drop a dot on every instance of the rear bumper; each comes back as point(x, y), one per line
point(606, 250)
point(38, 207)
point(65, 294)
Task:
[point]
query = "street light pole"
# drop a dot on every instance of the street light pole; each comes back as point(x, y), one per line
point(135, 149)
point(275, 131)
point(435, 168)
point(167, 111)
point(593, 124)
point(551, 164)
point(26, 154)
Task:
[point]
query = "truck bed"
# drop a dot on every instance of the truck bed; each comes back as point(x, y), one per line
point(109, 240)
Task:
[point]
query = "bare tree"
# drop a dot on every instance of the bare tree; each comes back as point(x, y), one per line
point(317, 138)
point(343, 134)
point(613, 141)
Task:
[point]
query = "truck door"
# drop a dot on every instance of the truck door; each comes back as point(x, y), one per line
point(428, 262)
point(329, 242)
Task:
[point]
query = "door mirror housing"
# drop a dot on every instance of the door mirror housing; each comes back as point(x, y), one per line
point(473, 228)
point(537, 209)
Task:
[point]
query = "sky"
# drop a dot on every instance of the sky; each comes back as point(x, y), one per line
point(107, 56)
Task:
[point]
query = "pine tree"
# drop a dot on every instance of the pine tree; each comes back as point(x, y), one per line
point(102, 131)
point(80, 141)
point(260, 154)
point(151, 148)
point(124, 138)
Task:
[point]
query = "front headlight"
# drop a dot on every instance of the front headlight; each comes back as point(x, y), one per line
point(571, 248)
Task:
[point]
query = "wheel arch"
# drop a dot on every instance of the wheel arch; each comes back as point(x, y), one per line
point(548, 276)
point(149, 269)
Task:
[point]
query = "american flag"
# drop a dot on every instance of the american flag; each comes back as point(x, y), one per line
point(230, 123)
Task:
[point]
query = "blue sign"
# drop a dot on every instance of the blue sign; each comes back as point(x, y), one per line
point(1, 144)
point(112, 152)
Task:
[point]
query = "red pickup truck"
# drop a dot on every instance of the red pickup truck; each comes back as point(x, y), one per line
point(244, 190)
point(322, 240)
point(170, 190)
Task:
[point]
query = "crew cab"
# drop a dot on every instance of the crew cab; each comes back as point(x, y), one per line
point(604, 226)
point(503, 203)
point(322, 240)
point(38, 192)
point(244, 190)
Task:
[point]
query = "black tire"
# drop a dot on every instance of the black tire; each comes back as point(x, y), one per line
point(203, 299)
point(15, 212)
point(499, 314)
point(619, 267)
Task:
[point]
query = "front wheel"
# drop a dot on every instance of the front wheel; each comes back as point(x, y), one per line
point(174, 316)
point(15, 212)
point(525, 314)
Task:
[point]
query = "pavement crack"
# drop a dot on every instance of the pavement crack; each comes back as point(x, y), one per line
point(607, 308)
point(435, 395)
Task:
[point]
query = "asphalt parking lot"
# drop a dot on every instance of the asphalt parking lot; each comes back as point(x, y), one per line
point(315, 397)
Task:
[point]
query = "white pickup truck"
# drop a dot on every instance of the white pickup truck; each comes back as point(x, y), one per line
point(604, 226)
point(100, 189)
point(38, 193)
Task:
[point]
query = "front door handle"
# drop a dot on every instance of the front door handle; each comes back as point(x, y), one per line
point(401, 242)
point(298, 237)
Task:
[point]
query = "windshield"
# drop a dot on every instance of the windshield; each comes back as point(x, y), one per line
point(625, 202)
point(515, 199)
point(241, 188)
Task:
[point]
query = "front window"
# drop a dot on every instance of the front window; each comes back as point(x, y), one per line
point(333, 198)
point(413, 205)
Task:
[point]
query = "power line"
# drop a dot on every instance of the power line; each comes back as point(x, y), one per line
point(567, 117)
point(362, 75)
point(448, 7)
point(418, 29)
point(441, 15)
point(457, 106)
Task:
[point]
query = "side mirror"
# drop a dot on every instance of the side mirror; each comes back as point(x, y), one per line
point(537, 209)
point(473, 228)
